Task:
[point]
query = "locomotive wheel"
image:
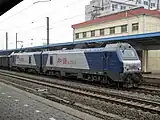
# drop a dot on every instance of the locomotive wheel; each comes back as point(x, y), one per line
point(129, 82)
point(135, 85)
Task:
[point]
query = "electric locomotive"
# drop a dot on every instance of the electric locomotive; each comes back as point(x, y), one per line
point(113, 64)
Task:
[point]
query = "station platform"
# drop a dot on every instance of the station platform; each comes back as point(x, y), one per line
point(16, 104)
point(152, 78)
point(153, 75)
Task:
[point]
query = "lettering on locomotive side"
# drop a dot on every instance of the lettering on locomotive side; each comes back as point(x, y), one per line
point(59, 60)
point(66, 61)
point(20, 59)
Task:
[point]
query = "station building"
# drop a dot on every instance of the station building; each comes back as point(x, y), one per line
point(125, 23)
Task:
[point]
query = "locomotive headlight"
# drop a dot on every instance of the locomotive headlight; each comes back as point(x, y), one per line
point(139, 68)
point(126, 67)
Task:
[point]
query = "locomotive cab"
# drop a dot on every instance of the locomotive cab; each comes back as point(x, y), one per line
point(128, 56)
point(131, 73)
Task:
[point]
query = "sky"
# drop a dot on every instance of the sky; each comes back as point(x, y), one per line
point(28, 20)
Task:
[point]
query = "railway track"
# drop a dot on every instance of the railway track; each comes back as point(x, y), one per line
point(145, 89)
point(148, 90)
point(151, 81)
point(79, 106)
point(120, 98)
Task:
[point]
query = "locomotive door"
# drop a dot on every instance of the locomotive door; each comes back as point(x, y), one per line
point(106, 61)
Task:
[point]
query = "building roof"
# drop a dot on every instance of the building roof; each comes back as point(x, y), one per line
point(147, 39)
point(6, 5)
point(123, 2)
point(125, 38)
point(119, 15)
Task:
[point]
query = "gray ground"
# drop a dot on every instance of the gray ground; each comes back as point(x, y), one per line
point(19, 105)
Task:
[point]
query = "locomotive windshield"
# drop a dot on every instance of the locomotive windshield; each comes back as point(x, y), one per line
point(128, 54)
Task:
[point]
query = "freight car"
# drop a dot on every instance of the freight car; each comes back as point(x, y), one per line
point(113, 64)
point(4, 61)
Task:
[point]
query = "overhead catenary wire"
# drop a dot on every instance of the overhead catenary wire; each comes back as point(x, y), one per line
point(77, 1)
point(59, 21)
point(41, 1)
point(72, 17)
point(38, 19)
point(26, 8)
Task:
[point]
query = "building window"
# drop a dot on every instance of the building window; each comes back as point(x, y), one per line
point(112, 30)
point(145, 2)
point(135, 27)
point(92, 33)
point(84, 34)
point(139, 1)
point(77, 35)
point(51, 60)
point(30, 59)
point(106, 7)
point(114, 7)
point(101, 32)
point(123, 7)
point(124, 28)
point(152, 5)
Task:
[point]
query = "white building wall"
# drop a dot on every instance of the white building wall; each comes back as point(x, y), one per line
point(97, 33)
point(108, 4)
point(153, 61)
point(153, 24)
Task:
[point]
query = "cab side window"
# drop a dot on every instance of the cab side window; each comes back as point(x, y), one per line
point(51, 60)
point(30, 59)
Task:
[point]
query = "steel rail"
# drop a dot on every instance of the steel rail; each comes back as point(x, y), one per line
point(145, 105)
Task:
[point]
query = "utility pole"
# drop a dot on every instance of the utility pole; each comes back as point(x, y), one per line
point(6, 40)
point(158, 3)
point(97, 9)
point(149, 4)
point(47, 31)
point(16, 40)
point(102, 5)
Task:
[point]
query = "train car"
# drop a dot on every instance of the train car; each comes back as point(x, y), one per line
point(4, 62)
point(115, 63)
point(5, 59)
point(26, 61)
